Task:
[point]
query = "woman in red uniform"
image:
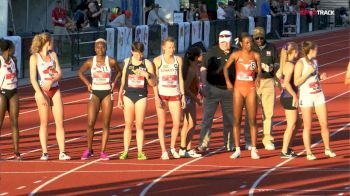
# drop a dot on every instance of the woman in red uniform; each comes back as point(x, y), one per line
point(248, 71)
point(101, 89)
point(169, 91)
point(44, 63)
point(8, 91)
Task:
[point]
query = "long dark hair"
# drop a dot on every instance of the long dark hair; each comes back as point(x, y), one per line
point(190, 56)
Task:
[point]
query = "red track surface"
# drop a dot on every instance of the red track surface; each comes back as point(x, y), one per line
point(213, 174)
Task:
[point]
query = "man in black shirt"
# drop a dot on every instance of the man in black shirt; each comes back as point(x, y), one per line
point(215, 92)
point(266, 91)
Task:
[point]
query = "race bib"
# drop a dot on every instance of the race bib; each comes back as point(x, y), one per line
point(244, 77)
point(169, 81)
point(315, 87)
point(135, 81)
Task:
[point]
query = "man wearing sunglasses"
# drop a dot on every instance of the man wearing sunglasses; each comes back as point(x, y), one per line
point(266, 91)
point(215, 91)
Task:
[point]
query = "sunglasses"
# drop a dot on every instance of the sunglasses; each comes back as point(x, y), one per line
point(257, 38)
point(222, 36)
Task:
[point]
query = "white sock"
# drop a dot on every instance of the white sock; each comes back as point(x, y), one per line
point(253, 148)
point(238, 149)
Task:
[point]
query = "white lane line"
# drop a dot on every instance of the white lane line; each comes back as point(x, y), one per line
point(333, 51)
point(347, 188)
point(294, 190)
point(36, 182)
point(233, 192)
point(126, 190)
point(145, 190)
point(256, 183)
point(140, 184)
point(340, 193)
point(5, 193)
point(243, 186)
point(21, 187)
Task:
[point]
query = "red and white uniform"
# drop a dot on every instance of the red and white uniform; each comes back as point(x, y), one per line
point(46, 70)
point(310, 91)
point(168, 78)
point(101, 75)
point(8, 76)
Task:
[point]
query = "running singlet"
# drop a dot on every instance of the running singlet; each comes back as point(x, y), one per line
point(135, 83)
point(46, 70)
point(8, 76)
point(101, 75)
point(312, 83)
point(245, 71)
point(168, 78)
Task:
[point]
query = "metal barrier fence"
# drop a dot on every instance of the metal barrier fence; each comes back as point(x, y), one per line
point(81, 45)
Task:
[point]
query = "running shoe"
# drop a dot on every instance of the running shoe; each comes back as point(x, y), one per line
point(174, 153)
point(202, 149)
point(235, 155)
point(269, 146)
point(192, 154)
point(141, 156)
point(63, 156)
point(104, 156)
point(86, 155)
point(288, 155)
point(165, 156)
point(330, 153)
point(44, 157)
point(310, 157)
point(254, 154)
point(182, 153)
point(17, 156)
point(123, 155)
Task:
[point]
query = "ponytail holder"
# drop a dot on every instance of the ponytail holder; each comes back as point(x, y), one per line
point(285, 46)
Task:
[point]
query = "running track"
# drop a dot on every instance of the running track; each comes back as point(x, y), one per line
point(213, 174)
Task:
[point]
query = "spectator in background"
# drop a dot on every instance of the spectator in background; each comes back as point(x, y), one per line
point(275, 8)
point(230, 10)
point(94, 14)
point(154, 17)
point(203, 15)
point(147, 9)
point(81, 20)
point(59, 20)
point(344, 16)
point(122, 20)
point(193, 13)
point(265, 8)
point(220, 12)
point(248, 10)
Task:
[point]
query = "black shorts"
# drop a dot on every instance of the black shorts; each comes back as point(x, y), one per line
point(101, 94)
point(135, 96)
point(287, 103)
point(8, 93)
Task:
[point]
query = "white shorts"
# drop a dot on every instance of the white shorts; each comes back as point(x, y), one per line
point(311, 100)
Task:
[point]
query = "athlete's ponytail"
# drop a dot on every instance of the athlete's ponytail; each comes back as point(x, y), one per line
point(306, 46)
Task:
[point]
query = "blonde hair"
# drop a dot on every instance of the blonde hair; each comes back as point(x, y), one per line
point(100, 40)
point(168, 39)
point(287, 49)
point(39, 41)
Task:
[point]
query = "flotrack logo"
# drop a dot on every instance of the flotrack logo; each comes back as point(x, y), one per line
point(326, 12)
point(313, 12)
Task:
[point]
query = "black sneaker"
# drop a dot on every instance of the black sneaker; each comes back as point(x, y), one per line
point(17, 156)
point(291, 151)
point(287, 155)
